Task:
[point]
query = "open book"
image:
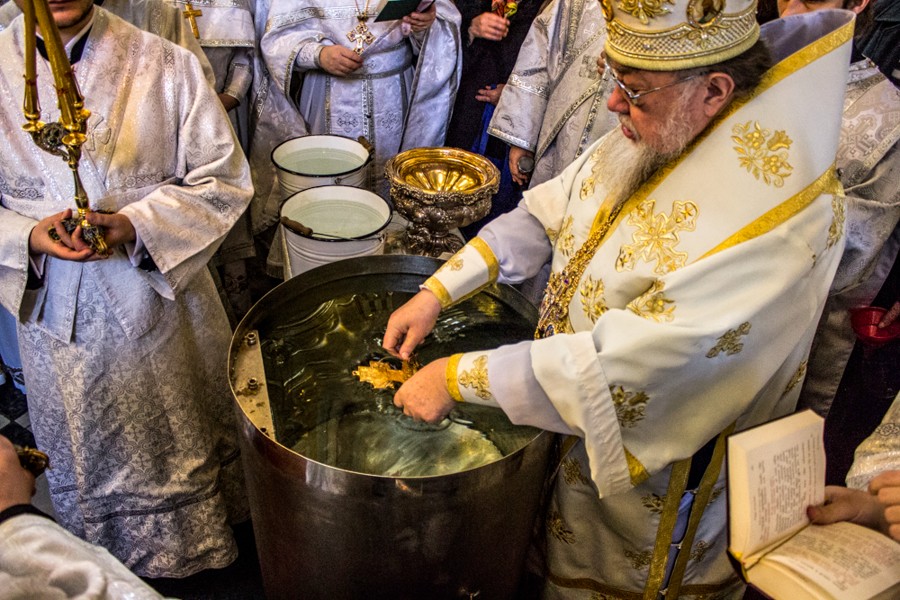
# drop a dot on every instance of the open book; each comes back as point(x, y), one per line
point(775, 471)
point(397, 9)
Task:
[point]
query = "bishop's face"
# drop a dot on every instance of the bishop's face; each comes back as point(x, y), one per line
point(70, 15)
point(665, 116)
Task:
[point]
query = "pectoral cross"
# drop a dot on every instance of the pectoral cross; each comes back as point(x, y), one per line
point(191, 14)
point(360, 34)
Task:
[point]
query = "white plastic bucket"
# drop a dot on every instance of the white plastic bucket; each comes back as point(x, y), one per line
point(314, 160)
point(356, 217)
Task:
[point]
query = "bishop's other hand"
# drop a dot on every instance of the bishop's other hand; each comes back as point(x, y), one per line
point(409, 324)
point(424, 396)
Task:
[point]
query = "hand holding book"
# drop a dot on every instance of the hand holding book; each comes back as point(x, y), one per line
point(878, 508)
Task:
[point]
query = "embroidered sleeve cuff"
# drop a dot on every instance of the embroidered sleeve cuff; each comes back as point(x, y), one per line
point(470, 378)
point(452, 382)
point(465, 274)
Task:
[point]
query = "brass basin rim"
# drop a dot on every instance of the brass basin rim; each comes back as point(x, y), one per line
point(394, 170)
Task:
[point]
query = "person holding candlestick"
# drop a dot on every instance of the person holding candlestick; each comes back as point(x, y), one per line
point(125, 353)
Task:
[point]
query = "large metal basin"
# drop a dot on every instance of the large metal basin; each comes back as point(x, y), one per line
point(328, 532)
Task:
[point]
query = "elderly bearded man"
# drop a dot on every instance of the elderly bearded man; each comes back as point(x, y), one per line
point(691, 254)
point(125, 356)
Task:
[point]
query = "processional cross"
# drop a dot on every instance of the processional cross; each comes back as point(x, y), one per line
point(191, 14)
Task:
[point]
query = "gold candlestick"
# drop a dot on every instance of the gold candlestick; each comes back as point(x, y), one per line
point(65, 137)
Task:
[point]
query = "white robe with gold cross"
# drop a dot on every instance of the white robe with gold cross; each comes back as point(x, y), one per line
point(695, 311)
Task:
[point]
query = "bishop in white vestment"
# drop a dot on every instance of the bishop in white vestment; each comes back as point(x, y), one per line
point(673, 314)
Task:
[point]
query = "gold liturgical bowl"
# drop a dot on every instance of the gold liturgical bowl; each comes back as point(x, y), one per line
point(438, 190)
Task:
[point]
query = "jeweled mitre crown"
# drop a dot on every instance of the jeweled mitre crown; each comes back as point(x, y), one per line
point(670, 35)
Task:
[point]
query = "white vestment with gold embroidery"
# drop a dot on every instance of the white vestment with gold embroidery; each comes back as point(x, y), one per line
point(696, 311)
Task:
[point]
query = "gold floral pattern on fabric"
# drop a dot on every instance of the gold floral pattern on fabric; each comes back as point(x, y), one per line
point(589, 184)
point(592, 300)
point(565, 243)
point(572, 472)
point(654, 503)
point(762, 152)
point(799, 374)
point(629, 406)
point(836, 229)
point(455, 263)
point(644, 10)
point(730, 342)
point(557, 528)
point(639, 560)
point(477, 378)
point(561, 287)
point(552, 234)
point(653, 304)
point(700, 550)
point(657, 236)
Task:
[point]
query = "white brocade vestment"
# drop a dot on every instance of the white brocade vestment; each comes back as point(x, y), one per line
point(686, 309)
point(39, 559)
point(554, 102)
point(155, 16)
point(400, 98)
point(868, 159)
point(126, 367)
point(878, 453)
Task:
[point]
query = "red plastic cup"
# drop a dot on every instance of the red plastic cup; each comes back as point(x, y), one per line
point(864, 322)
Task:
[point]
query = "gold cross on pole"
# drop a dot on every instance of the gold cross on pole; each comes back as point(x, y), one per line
point(191, 14)
point(360, 35)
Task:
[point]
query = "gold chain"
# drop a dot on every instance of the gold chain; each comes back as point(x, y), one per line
point(561, 287)
point(362, 15)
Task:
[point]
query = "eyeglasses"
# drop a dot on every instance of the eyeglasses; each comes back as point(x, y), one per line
point(633, 97)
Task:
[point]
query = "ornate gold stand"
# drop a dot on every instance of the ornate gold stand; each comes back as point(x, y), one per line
point(438, 190)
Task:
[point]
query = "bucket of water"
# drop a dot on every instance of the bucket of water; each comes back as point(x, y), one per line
point(339, 222)
point(314, 160)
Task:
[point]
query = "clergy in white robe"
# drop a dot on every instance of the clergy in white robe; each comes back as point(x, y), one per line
point(155, 16)
point(868, 160)
point(125, 357)
point(674, 312)
point(401, 95)
point(554, 103)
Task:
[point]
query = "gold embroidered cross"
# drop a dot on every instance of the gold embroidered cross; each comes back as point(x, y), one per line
point(191, 14)
point(657, 236)
point(382, 376)
point(730, 342)
point(477, 378)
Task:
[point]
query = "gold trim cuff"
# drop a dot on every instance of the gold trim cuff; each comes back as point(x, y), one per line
point(452, 381)
point(437, 288)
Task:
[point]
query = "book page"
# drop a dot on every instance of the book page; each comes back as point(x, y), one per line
point(846, 560)
point(775, 472)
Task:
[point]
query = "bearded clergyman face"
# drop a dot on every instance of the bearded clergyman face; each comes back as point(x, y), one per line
point(646, 141)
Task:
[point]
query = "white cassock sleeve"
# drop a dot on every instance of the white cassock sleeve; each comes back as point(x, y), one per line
point(40, 559)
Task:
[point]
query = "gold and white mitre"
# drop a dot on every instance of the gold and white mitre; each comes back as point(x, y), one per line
point(670, 35)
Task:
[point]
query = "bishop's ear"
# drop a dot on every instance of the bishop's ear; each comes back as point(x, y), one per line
point(719, 92)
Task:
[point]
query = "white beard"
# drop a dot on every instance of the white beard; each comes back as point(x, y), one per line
point(626, 164)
